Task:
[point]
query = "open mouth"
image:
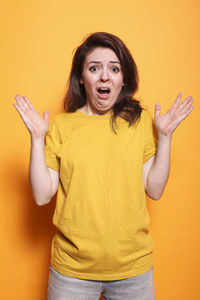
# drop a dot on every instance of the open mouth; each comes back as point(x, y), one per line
point(103, 90)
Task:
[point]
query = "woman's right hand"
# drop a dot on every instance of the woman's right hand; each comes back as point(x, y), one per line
point(36, 125)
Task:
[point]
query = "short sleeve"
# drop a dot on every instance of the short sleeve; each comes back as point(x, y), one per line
point(150, 136)
point(52, 144)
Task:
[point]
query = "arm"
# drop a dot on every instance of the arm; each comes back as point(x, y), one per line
point(156, 169)
point(44, 181)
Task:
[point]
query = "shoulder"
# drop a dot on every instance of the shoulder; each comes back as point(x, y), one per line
point(146, 114)
point(146, 123)
point(65, 123)
point(146, 118)
point(62, 119)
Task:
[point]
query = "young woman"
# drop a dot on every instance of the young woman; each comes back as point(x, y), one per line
point(101, 156)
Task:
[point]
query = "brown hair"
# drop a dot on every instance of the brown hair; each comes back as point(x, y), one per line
point(125, 106)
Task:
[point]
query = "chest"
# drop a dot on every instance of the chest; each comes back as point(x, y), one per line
point(101, 145)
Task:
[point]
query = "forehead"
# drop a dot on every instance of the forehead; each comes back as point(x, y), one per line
point(101, 54)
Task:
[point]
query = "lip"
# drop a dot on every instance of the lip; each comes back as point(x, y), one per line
point(103, 87)
point(103, 96)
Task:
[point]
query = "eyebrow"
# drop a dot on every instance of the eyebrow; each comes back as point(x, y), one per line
point(98, 62)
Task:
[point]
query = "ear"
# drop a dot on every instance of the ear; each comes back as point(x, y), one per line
point(81, 81)
point(123, 84)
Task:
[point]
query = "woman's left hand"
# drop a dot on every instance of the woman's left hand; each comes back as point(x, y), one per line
point(167, 123)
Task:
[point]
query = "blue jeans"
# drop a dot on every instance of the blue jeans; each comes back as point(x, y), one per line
point(62, 287)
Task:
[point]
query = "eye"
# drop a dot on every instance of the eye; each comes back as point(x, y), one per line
point(93, 68)
point(115, 69)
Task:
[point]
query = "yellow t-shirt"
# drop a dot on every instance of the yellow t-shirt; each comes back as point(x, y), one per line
point(101, 215)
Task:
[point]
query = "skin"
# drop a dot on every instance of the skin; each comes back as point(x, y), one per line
point(101, 68)
point(44, 180)
point(156, 169)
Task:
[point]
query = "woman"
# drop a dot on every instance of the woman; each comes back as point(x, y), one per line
point(101, 156)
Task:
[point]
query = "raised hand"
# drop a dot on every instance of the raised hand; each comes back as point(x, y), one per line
point(167, 123)
point(36, 125)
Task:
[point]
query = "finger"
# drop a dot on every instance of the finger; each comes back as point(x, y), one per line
point(46, 115)
point(187, 112)
point(19, 98)
point(186, 103)
point(21, 102)
point(28, 102)
point(157, 110)
point(23, 116)
point(175, 105)
point(19, 109)
point(177, 101)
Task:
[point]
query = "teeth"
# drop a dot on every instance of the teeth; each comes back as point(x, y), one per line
point(102, 90)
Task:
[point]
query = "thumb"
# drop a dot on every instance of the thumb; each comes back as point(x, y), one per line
point(46, 115)
point(157, 110)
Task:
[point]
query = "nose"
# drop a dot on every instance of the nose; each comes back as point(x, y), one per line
point(104, 75)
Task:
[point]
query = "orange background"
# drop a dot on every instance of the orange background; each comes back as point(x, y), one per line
point(36, 51)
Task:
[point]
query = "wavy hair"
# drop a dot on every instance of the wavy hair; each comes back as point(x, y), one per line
point(125, 106)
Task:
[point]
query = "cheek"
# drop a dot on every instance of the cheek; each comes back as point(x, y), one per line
point(119, 84)
point(119, 80)
point(88, 81)
point(89, 85)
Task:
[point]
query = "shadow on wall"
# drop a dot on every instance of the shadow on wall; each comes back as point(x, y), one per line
point(33, 229)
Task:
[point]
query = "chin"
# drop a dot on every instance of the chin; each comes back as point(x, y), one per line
point(102, 109)
point(103, 106)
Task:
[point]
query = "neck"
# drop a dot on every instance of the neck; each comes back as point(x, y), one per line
point(89, 111)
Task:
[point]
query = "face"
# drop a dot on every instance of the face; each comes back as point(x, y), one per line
point(102, 79)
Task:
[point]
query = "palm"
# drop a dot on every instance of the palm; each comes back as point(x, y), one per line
point(168, 122)
point(36, 125)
